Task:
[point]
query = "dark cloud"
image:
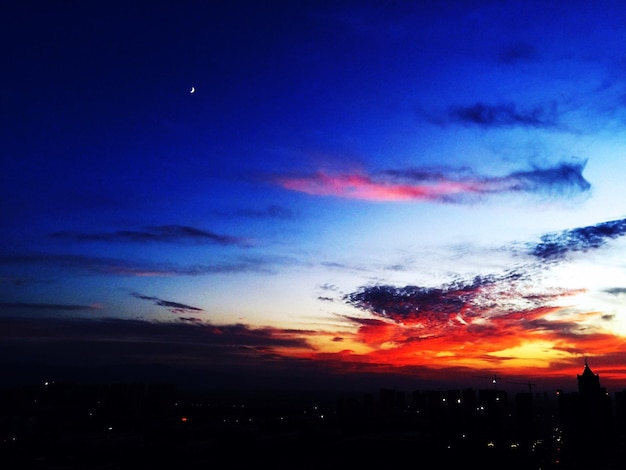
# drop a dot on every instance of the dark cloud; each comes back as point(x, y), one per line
point(16, 281)
point(174, 307)
point(46, 306)
point(191, 319)
point(161, 233)
point(518, 52)
point(333, 264)
point(140, 331)
point(554, 246)
point(126, 267)
point(446, 185)
point(436, 303)
point(271, 212)
point(195, 352)
point(562, 179)
point(399, 302)
point(482, 296)
point(497, 115)
point(48, 259)
point(616, 290)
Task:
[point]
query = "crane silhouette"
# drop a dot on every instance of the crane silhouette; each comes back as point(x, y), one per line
point(529, 384)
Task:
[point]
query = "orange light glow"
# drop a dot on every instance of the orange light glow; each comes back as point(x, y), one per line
point(531, 343)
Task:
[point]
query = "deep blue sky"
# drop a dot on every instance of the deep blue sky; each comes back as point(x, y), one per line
point(420, 189)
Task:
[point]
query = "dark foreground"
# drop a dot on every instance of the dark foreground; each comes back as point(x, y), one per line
point(130, 426)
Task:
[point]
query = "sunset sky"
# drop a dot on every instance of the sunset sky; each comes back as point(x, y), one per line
point(411, 194)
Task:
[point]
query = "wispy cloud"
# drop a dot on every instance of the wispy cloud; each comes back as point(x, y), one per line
point(86, 263)
point(518, 52)
point(138, 268)
point(489, 295)
point(12, 306)
point(183, 346)
point(492, 322)
point(496, 116)
point(442, 185)
point(464, 300)
point(174, 307)
point(558, 245)
point(270, 212)
point(503, 320)
point(161, 234)
point(142, 331)
point(16, 281)
point(616, 291)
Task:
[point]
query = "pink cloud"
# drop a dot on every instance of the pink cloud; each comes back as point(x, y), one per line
point(440, 184)
point(363, 187)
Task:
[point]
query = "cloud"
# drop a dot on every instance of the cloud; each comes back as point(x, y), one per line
point(174, 307)
point(120, 331)
point(47, 306)
point(191, 319)
point(188, 352)
point(511, 320)
point(486, 324)
point(192, 354)
point(564, 179)
point(138, 268)
point(518, 52)
point(462, 300)
point(161, 234)
point(271, 212)
point(555, 246)
point(496, 116)
point(16, 281)
point(616, 290)
point(402, 302)
point(235, 355)
point(475, 304)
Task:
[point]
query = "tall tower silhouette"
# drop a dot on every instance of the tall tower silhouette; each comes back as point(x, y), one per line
point(586, 419)
point(588, 382)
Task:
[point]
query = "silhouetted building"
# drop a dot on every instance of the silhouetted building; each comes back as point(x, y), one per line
point(587, 424)
point(525, 417)
point(391, 399)
point(620, 412)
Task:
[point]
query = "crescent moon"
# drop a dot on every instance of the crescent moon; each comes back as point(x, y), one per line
point(192, 91)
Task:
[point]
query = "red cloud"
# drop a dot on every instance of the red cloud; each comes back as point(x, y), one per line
point(522, 343)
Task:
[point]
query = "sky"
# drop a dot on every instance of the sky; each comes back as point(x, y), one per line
point(314, 194)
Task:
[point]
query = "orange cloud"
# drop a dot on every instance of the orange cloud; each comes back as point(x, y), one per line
point(523, 344)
